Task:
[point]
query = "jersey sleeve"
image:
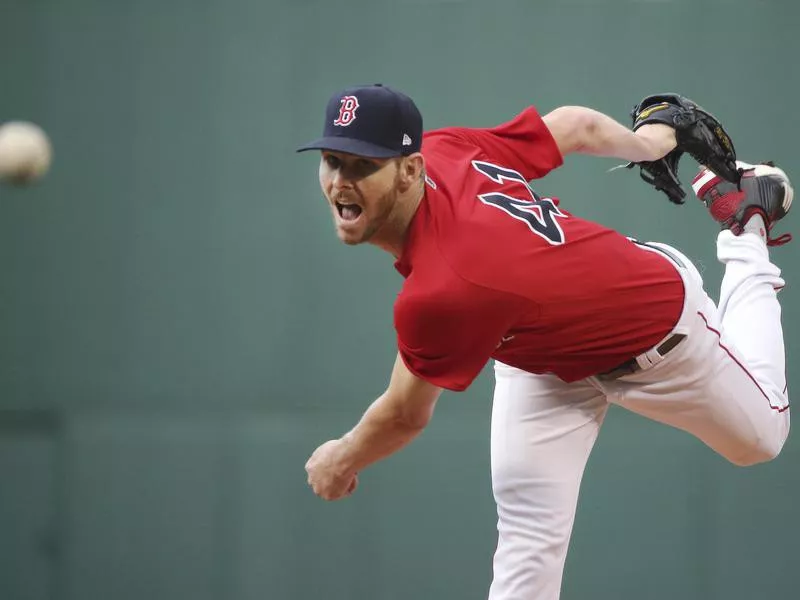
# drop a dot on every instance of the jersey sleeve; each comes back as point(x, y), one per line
point(447, 338)
point(524, 144)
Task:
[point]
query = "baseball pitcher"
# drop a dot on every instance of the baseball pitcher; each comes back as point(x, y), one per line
point(575, 315)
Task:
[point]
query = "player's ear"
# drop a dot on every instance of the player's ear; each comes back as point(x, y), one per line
point(411, 170)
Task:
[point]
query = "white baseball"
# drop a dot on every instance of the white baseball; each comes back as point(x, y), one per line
point(25, 152)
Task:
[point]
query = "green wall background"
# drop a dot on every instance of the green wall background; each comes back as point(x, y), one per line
point(179, 327)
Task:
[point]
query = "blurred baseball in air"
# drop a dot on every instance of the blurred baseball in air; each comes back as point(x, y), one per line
point(25, 152)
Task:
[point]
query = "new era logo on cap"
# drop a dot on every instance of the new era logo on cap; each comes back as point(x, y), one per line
point(374, 121)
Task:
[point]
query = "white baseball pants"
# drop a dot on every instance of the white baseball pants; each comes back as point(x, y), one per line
point(725, 384)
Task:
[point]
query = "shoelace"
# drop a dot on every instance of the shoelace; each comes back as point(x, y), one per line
point(780, 240)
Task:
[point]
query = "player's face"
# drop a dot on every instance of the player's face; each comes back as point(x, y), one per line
point(362, 193)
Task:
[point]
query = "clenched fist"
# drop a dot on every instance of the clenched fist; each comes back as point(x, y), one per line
point(329, 479)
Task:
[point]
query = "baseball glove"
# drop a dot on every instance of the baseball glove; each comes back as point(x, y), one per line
point(697, 132)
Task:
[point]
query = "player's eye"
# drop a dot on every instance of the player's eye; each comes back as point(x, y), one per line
point(332, 161)
point(366, 167)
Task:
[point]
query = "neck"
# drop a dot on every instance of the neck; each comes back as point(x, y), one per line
point(392, 236)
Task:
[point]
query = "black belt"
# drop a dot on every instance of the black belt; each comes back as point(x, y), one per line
point(632, 365)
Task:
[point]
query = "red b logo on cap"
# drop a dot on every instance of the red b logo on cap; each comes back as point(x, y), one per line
point(347, 112)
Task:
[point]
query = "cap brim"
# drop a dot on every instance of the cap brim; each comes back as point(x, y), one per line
point(350, 146)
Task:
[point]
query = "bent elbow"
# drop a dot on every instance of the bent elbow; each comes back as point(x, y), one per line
point(416, 420)
point(573, 128)
point(415, 417)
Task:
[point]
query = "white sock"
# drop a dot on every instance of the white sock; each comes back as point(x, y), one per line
point(755, 224)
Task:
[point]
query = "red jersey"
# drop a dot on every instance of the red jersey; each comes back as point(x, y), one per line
point(492, 270)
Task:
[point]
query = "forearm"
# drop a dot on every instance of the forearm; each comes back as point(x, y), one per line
point(578, 129)
point(382, 431)
point(607, 137)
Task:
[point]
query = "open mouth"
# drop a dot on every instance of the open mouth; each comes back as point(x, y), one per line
point(348, 212)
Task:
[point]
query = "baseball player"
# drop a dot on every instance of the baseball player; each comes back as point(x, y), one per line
point(575, 315)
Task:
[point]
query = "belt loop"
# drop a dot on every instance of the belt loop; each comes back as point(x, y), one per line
point(649, 359)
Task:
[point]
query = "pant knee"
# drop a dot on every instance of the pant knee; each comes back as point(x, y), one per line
point(765, 449)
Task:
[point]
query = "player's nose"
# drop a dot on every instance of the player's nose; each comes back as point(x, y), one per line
point(341, 180)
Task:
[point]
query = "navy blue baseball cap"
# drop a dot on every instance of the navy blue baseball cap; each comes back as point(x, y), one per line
point(375, 121)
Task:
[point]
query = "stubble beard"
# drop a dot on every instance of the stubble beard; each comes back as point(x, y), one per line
point(386, 207)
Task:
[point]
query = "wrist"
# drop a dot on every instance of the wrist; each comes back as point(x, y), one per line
point(658, 140)
point(347, 454)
